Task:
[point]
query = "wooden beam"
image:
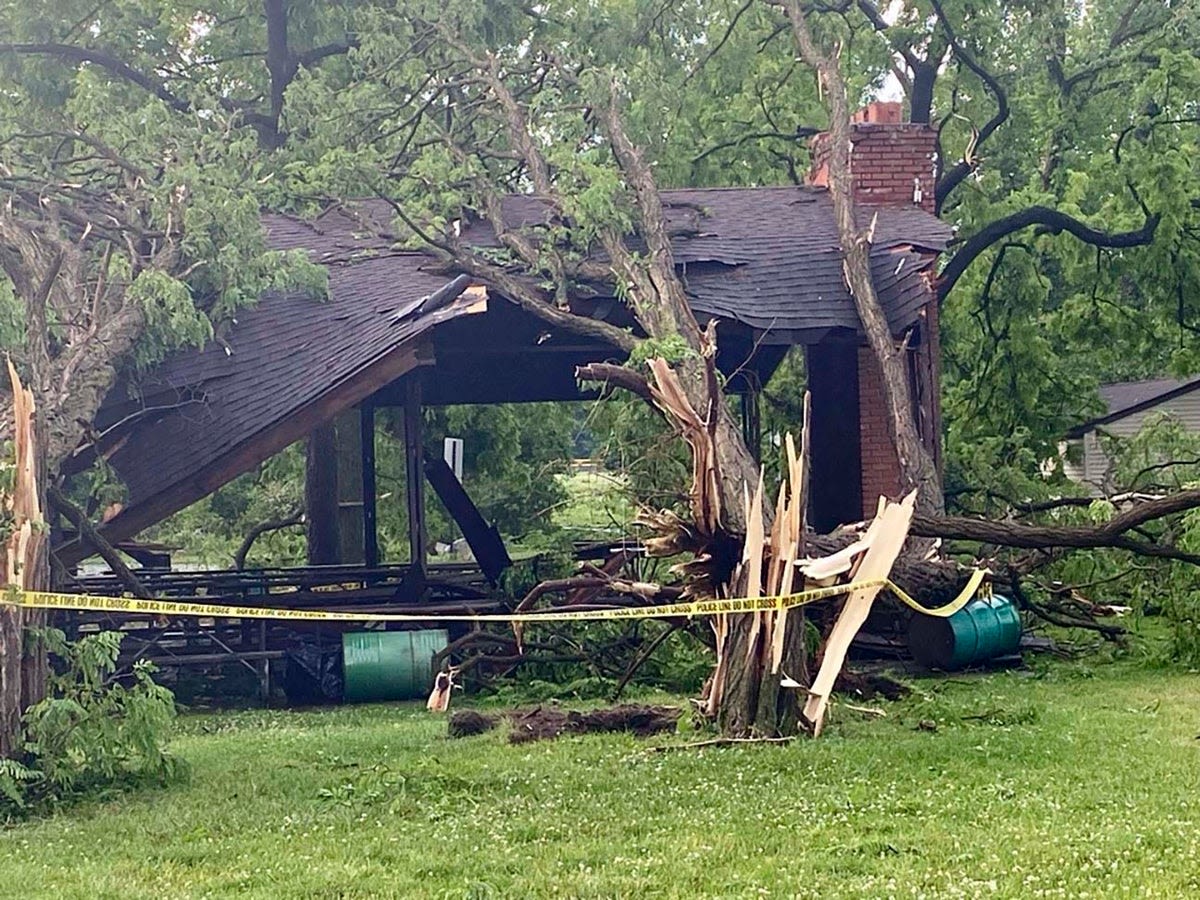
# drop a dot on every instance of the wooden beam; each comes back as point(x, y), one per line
point(266, 444)
point(369, 513)
point(483, 539)
point(415, 477)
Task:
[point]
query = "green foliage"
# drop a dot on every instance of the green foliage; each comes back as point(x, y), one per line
point(1040, 318)
point(16, 781)
point(1162, 456)
point(652, 463)
point(90, 732)
point(673, 348)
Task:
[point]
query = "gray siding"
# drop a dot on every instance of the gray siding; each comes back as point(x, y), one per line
point(1094, 469)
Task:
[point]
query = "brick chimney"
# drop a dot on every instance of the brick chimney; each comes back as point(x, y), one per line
point(891, 165)
point(891, 162)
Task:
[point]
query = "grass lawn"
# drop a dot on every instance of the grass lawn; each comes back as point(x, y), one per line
point(1068, 782)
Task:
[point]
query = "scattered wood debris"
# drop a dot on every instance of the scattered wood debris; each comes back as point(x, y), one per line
point(886, 537)
point(443, 685)
point(546, 723)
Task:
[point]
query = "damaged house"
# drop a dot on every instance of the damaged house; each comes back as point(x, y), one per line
point(397, 331)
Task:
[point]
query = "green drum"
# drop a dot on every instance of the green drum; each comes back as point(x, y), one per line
point(985, 628)
point(389, 665)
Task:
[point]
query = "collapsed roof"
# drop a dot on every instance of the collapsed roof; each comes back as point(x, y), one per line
point(765, 261)
point(766, 258)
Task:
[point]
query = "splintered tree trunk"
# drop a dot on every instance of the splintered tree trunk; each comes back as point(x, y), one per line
point(22, 674)
point(755, 651)
point(748, 695)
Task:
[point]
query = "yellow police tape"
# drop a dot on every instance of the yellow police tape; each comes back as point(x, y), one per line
point(80, 602)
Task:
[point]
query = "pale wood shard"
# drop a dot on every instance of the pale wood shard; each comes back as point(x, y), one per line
point(780, 625)
point(716, 691)
point(752, 563)
point(835, 564)
point(778, 540)
point(439, 698)
point(668, 394)
point(794, 519)
point(774, 624)
point(889, 532)
point(24, 504)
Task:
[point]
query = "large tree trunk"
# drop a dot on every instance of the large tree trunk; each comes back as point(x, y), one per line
point(744, 693)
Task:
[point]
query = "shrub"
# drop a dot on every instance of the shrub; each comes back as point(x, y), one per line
point(89, 732)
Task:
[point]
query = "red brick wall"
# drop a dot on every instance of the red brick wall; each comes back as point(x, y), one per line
point(880, 466)
point(892, 161)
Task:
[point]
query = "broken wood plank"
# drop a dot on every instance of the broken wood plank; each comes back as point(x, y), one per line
point(484, 540)
point(889, 532)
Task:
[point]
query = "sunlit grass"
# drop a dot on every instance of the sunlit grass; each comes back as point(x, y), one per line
point(598, 502)
point(1068, 782)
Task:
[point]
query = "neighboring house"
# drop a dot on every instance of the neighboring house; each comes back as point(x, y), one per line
point(1129, 405)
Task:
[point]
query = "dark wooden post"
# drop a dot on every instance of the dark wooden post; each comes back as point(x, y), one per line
point(351, 539)
point(415, 475)
point(321, 496)
point(835, 489)
point(369, 522)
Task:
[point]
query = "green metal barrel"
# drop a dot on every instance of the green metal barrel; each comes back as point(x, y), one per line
point(389, 665)
point(985, 628)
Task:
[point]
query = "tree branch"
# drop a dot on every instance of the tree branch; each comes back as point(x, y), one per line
point(318, 54)
point(617, 376)
point(964, 167)
point(881, 25)
point(801, 133)
point(1107, 534)
point(1052, 222)
point(88, 532)
point(106, 61)
point(243, 550)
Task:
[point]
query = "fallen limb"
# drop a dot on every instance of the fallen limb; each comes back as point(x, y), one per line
point(1060, 617)
point(1112, 533)
point(243, 550)
point(644, 654)
point(865, 710)
point(90, 535)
